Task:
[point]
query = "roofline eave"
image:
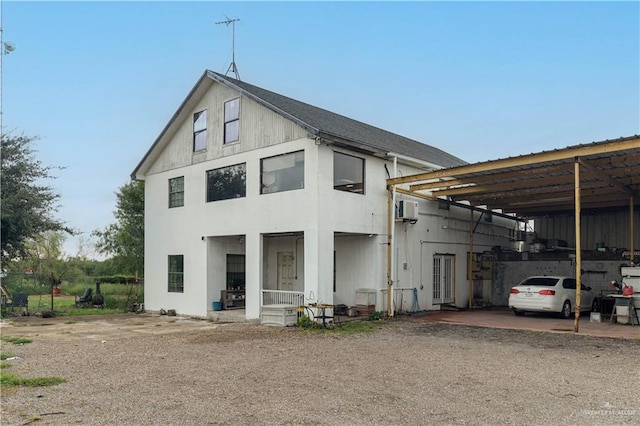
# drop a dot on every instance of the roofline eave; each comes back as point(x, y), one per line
point(309, 128)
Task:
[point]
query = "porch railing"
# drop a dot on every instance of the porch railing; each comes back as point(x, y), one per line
point(281, 297)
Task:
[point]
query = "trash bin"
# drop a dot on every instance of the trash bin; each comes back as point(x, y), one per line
point(217, 305)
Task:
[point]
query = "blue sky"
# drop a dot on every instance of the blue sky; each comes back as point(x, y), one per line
point(97, 81)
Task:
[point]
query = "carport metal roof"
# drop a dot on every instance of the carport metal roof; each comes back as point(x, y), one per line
point(596, 176)
point(539, 184)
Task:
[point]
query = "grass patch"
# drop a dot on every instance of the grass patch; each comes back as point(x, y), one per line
point(349, 327)
point(353, 327)
point(118, 298)
point(16, 340)
point(8, 380)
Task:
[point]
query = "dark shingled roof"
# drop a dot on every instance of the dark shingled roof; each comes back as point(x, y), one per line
point(328, 125)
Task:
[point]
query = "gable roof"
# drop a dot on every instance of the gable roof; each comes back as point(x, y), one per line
point(320, 123)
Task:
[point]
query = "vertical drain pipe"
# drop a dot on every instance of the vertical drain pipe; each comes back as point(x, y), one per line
point(392, 233)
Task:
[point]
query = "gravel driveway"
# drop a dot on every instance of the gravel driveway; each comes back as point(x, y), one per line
point(144, 370)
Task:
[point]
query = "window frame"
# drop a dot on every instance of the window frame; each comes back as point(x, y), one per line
point(200, 131)
point(175, 278)
point(353, 187)
point(233, 120)
point(173, 199)
point(264, 188)
point(207, 176)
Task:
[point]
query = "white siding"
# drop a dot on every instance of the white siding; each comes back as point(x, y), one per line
point(259, 128)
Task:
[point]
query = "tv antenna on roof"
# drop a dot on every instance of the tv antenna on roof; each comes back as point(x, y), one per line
point(232, 67)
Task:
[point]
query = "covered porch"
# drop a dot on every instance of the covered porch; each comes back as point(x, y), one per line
point(246, 273)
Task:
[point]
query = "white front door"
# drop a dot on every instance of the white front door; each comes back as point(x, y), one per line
point(286, 272)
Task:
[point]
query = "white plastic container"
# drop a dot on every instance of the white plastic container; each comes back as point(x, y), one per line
point(622, 314)
point(279, 315)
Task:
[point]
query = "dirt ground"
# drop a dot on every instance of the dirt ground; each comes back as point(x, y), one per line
point(144, 369)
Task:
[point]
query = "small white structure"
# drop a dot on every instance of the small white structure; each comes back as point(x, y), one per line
point(284, 203)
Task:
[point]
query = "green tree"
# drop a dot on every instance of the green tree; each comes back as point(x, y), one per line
point(28, 203)
point(46, 255)
point(124, 240)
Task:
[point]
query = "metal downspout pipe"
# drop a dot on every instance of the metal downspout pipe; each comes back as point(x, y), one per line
point(391, 258)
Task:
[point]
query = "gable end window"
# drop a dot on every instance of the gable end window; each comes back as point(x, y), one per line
point(226, 183)
point(176, 192)
point(282, 173)
point(200, 131)
point(232, 121)
point(176, 273)
point(348, 173)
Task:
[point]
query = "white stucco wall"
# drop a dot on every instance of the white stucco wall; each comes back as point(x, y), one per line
point(443, 232)
point(312, 222)
point(315, 212)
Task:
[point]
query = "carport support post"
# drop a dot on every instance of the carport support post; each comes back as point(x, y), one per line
point(390, 213)
point(576, 179)
point(470, 260)
point(631, 233)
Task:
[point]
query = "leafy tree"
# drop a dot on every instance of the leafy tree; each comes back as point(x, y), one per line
point(46, 255)
point(27, 203)
point(125, 238)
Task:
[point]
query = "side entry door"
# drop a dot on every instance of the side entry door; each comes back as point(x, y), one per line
point(443, 278)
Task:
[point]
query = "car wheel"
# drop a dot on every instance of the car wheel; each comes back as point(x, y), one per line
point(595, 306)
point(518, 313)
point(566, 310)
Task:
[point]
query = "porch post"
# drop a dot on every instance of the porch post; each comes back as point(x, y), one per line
point(253, 274)
point(318, 266)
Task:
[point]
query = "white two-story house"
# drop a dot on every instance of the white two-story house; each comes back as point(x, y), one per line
point(249, 190)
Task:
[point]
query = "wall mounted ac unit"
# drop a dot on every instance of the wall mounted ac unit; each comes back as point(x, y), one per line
point(407, 210)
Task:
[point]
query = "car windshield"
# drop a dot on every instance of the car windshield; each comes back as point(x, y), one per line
point(541, 281)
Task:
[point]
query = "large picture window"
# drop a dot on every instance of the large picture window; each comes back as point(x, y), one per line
point(226, 183)
point(232, 120)
point(282, 172)
point(200, 131)
point(176, 192)
point(176, 273)
point(348, 173)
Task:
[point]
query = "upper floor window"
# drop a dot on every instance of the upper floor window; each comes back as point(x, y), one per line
point(226, 183)
point(348, 173)
point(200, 131)
point(176, 273)
point(232, 120)
point(176, 192)
point(282, 172)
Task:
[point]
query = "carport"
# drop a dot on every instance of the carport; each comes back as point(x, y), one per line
point(593, 177)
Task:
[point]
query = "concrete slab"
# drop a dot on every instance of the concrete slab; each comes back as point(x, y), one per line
point(504, 318)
